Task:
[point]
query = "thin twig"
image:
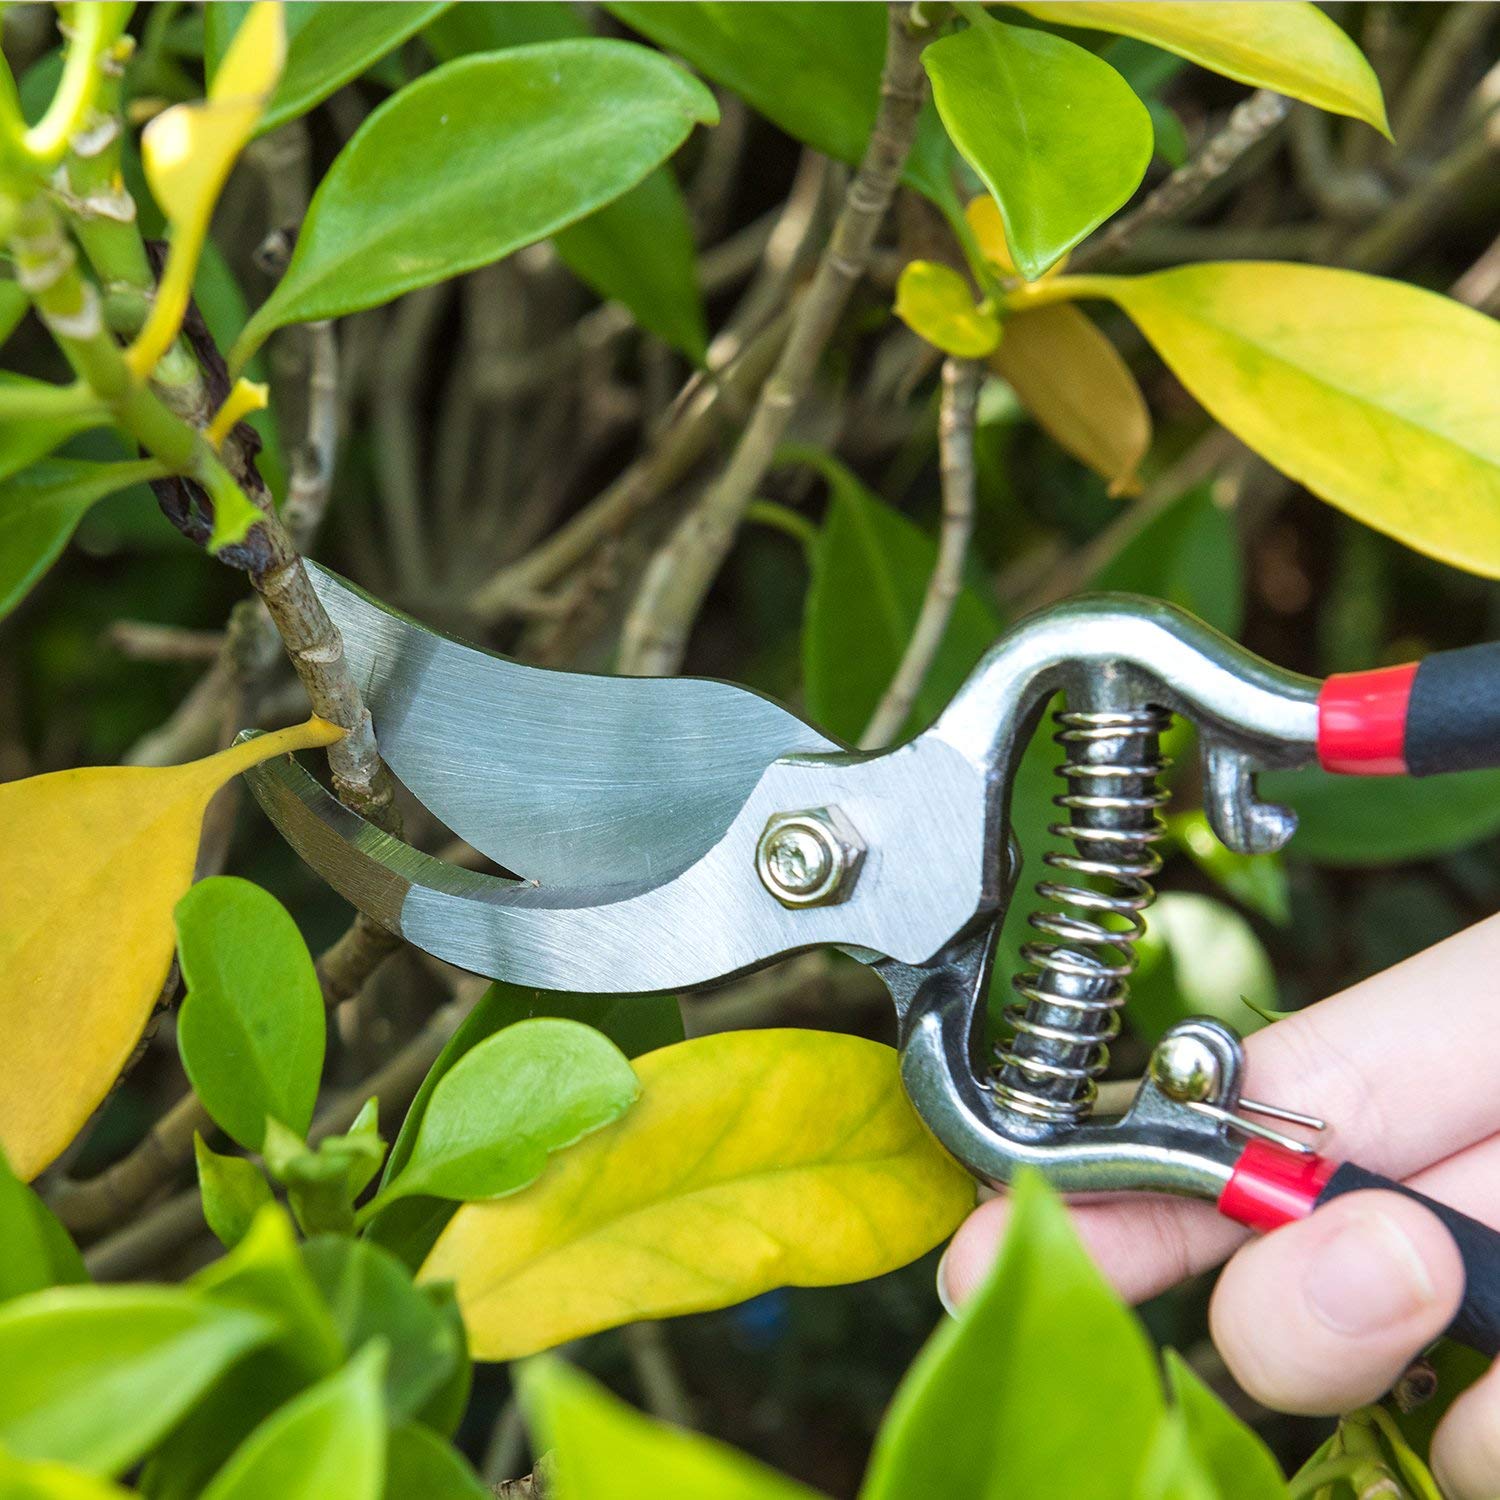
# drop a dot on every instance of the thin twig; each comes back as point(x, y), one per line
point(679, 576)
point(956, 447)
point(144, 640)
point(662, 1390)
point(311, 481)
point(1479, 286)
point(1249, 123)
point(1456, 41)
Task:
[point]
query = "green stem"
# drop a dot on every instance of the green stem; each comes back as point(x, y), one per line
point(1062, 289)
point(96, 26)
point(44, 403)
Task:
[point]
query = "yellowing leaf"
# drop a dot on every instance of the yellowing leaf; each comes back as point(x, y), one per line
point(753, 1159)
point(1074, 382)
point(1378, 396)
point(935, 302)
point(1275, 44)
point(187, 152)
point(95, 859)
point(988, 228)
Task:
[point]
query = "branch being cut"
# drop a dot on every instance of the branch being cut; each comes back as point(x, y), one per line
point(679, 576)
point(956, 448)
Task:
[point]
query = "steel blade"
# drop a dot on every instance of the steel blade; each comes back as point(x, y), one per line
point(559, 776)
point(918, 810)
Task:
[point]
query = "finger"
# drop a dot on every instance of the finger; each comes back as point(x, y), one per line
point(1371, 1059)
point(1324, 1315)
point(1466, 1446)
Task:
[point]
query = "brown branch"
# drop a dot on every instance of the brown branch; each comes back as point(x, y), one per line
point(1249, 123)
point(679, 576)
point(956, 417)
point(540, 1484)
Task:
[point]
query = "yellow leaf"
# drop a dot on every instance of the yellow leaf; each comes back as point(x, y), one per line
point(754, 1159)
point(187, 152)
point(95, 859)
point(935, 302)
point(1290, 47)
point(983, 215)
point(245, 397)
point(1376, 395)
point(1073, 381)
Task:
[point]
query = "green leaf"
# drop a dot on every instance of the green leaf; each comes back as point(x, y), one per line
point(1053, 131)
point(1239, 1463)
point(21, 1480)
point(634, 1023)
point(323, 1182)
point(95, 1375)
point(328, 1444)
point(327, 46)
point(936, 303)
point(13, 305)
point(1258, 881)
point(444, 1409)
point(38, 1251)
point(1173, 1469)
point(475, 159)
point(251, 1030)
point(487, 26)
point(1045, 1384)
point(812, 70)
point(1198, 958)
point(41, 507)
point(1379, 820)
point(754, 1159)
point(1189, 555)
point(506, 1105)
point(373, 1301)
point(604, 1450)
point(639, 250)
point(1372, 393)
point(233, 1191)
point(24, 441)
point(870, 568)
point(1292, 48)
point(419, 1464)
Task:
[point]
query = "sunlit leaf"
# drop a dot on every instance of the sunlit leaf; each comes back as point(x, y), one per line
point(604, 1450)
point(1239, 1463)
point(329, 1441)
point(634, 1023)
point(233, 1192)
point(507, 1104)
point(40, 508)
point(1053, 131)
point(1290, 47)
point(1172, 1469)
point(38, 1251)
point(475, 159)
point(251, 1027)
point(937, 304)
point(95, 860)
point(870, 568)
point(374, 1301)
point(754, 1159)
point(326, 46)
point(1069, 376)
point(1045, 1384)
point(419, 1464)
point(21, 1479)
point(94, 1376)
point(1374, 394)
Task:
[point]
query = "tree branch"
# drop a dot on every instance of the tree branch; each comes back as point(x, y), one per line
point(679, 576)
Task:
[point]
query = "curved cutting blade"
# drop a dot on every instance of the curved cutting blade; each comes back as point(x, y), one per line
point(919, 810)
point(560, 776)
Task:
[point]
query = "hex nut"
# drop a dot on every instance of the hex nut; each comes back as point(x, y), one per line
point(809, 858)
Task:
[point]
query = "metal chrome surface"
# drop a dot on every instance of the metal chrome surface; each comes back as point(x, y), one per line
point(563, 777)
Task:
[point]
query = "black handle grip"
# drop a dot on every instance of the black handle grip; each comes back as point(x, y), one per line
point(1453, 714)
point(1478, 1320)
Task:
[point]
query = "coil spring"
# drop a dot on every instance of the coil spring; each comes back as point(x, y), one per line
point(1075, 977)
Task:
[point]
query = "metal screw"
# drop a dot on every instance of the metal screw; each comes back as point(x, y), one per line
point(809, 858)
point(1186, 1068)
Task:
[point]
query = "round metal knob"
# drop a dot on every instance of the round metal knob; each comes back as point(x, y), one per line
point(1186, 1068)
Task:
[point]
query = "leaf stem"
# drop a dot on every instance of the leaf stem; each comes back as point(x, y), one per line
point(94, 29)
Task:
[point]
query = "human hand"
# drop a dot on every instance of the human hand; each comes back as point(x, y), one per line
point(1324, 1314)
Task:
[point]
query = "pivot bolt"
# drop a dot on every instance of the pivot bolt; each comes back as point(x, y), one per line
point(809, 858)
point(1186, 1068)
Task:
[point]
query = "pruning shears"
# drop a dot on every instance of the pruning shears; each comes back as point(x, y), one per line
point(670, 833)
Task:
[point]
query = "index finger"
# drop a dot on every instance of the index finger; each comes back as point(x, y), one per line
point(1388, 1062)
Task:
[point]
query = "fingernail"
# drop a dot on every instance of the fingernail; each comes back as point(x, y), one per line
point(942, 1286)
point(1368, 1276)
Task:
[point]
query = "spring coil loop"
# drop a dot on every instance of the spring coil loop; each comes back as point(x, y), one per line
point(1075, 979)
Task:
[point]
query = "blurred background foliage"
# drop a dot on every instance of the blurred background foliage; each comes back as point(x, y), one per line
point(478, 415)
